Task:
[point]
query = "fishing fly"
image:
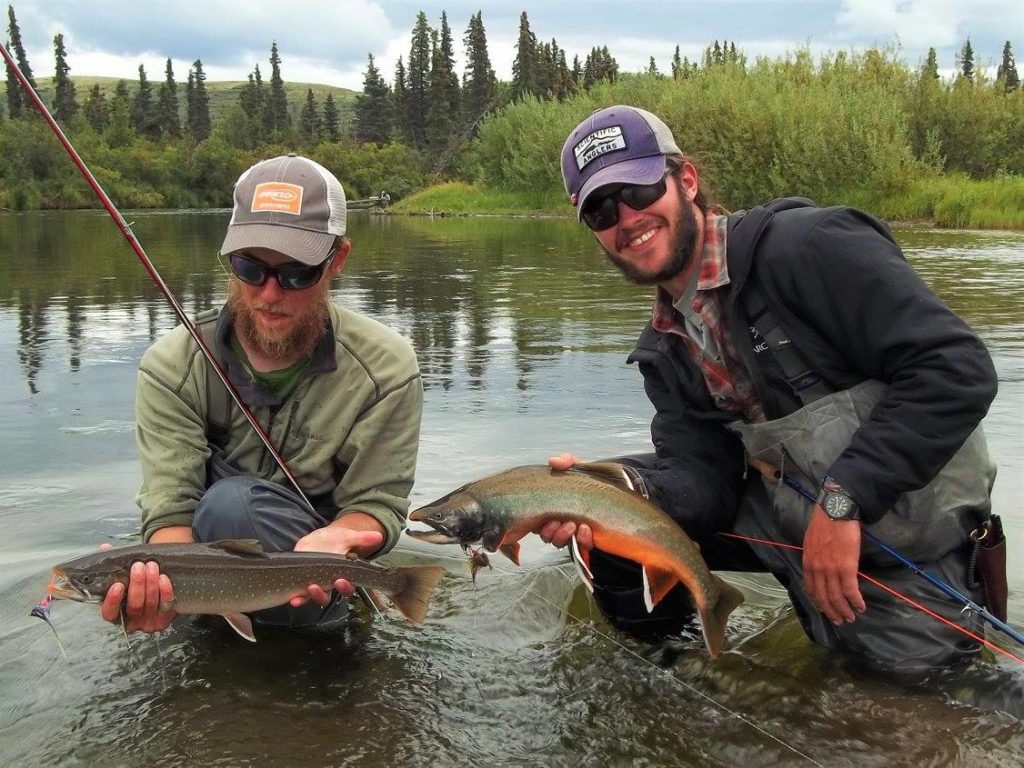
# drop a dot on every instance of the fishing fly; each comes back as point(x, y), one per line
point(42, 611)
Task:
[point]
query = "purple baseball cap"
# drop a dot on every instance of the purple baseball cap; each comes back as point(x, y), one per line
point(615, 145)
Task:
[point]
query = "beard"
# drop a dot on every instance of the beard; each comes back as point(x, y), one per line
point(679, 258)
point(289, 344)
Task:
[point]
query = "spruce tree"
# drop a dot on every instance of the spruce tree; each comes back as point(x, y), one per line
point(276, 117)
point(652, 68)
point(65, 103)
point(401, 103)
point(120, 131)
point(479, 87)
point(1007, 71)
point(966, 64)
point(440, 120)
point(143, 118)
point(332, 120)
point(15, 47)
point(96, 109)
point(524, 66)
point(15, 102)
point(167, 120)
point(373, 112)
point(198, 108)
point(309, 119)
point(677, 65)
point(414, 120)
point(930, 68)
point(452, 90)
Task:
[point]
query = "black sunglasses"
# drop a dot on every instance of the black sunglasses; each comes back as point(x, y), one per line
point(291, 277)
point(601, 210)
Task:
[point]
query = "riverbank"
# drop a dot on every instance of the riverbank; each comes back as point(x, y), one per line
point(950, 201)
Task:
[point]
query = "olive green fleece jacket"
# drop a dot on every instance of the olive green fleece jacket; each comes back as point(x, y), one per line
point(349, 430)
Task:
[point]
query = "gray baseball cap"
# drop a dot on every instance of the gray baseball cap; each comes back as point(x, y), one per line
point(288, 204)
point(615, 145)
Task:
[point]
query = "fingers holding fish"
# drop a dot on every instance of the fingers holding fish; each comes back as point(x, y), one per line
point(560, 533)
point(563, 462)
point(145, 602)
point(321, 596)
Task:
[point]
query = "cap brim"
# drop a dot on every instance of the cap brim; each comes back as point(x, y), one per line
point(299, 244)
point(641, 170)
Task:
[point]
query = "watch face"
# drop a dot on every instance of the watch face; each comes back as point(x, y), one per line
point(838, 505)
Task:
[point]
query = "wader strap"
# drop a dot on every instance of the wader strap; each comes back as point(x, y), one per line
point(805, 383)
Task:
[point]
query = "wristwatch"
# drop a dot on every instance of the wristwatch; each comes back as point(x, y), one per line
point(837, 502)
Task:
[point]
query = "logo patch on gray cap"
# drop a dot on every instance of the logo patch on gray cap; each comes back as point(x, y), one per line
point(598, 143)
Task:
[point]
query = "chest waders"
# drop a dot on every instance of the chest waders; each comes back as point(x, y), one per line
point(931, 526)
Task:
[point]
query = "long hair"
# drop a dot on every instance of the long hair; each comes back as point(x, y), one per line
point(703, 200)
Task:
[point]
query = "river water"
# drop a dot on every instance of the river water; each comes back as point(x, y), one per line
point(522, 331)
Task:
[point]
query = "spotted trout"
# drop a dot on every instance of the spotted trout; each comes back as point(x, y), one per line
point(232, 577)
point(500, 510)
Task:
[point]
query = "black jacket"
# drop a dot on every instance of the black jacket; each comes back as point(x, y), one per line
point(842, 291)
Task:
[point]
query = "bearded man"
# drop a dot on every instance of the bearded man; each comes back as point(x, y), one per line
point(797, 341)
point(339, 395)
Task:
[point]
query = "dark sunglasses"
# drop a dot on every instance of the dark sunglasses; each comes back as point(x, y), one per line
point(291, 277)
point(601, 211)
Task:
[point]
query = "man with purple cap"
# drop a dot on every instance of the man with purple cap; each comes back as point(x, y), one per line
point(792, 355)
point(339, 395)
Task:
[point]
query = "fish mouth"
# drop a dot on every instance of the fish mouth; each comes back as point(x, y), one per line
point(62, 588)
point(436, 536)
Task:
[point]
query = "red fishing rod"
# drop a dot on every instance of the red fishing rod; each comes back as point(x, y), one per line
point(126, 230)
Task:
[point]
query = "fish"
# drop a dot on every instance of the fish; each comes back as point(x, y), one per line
point(234, 576)
point(499, 510)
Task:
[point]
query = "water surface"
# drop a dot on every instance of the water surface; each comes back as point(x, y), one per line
point(522, 332)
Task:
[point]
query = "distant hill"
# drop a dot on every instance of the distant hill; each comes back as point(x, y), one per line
point(222, 93)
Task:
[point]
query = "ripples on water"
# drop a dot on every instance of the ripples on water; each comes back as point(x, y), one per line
point(522, 333)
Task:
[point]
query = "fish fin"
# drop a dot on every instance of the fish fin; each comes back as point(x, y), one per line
point(375, 599)
point(581, 560)
point(241, 624)
point(609, 471)
point(243, 547)
point(713, 619)
point(414, 597)
point(511, 551)
point(657, 584)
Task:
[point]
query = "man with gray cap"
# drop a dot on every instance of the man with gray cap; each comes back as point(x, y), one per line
point(794, 341)
point(338, 394)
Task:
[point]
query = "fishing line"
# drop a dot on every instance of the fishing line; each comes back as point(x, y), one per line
point(895, 593)
point(732, 713)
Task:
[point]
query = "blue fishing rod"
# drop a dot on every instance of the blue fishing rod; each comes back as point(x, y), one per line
point(950, 591)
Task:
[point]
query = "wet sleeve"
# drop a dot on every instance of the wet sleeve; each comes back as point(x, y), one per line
point(698, 474)
point(889, 325)
point(380, 458)
point(173, 451)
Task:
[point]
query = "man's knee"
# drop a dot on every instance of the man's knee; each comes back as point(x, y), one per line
point(222, 512)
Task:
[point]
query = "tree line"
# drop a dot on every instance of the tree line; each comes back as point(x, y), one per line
point(428, 124)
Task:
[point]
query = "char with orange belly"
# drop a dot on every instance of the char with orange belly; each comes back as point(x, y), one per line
point(500, 510)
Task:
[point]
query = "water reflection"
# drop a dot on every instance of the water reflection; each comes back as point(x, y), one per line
point(522, 332)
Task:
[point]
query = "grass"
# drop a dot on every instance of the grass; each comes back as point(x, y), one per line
point(953, 201)
point(462, 198)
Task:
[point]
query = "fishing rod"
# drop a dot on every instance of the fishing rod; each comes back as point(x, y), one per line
point(773, 474)
point(136, 246)
point(126, 230)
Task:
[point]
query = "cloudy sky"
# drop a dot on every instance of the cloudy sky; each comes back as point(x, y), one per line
point(327, 41)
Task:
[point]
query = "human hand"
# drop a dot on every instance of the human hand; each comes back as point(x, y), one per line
point(338, 540)
point(145, 601)
point(559, 532)
point(831, 558)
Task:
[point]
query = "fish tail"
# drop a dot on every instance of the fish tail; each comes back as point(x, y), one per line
point(714, 618)
point(420, 581)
